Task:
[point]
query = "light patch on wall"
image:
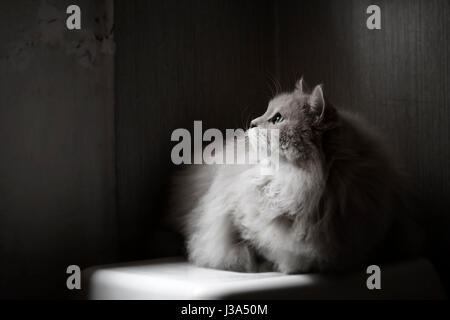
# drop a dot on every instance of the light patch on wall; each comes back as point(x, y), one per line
point(49, 29)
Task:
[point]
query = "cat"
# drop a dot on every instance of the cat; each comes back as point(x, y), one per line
point(334, 202)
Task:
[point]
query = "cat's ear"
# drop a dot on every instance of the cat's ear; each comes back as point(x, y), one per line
point(301, 86)
point(317, 101)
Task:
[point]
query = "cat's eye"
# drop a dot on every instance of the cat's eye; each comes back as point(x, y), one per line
point(276, 118)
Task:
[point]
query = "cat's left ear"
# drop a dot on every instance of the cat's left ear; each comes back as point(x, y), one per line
point(317, 101)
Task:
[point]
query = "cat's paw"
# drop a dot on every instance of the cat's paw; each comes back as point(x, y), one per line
point(288, 270)
point(240, 259)
point(294, 267)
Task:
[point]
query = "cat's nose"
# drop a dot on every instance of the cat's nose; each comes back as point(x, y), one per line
point(252, 125)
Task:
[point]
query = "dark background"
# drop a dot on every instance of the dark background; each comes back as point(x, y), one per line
point(85, 151)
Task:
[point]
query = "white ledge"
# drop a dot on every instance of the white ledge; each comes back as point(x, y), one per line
point(174, 278)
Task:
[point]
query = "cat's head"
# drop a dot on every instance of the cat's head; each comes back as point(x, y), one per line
point(301, 117)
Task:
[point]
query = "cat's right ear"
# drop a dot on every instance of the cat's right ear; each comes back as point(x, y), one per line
point(301, 86)
point(317, 102)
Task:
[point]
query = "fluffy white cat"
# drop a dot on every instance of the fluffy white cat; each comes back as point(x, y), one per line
point(333, 202)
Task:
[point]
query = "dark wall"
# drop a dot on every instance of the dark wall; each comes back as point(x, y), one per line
point(84, 180)
point(397, 77)
point(57, 199)
point(180, 61)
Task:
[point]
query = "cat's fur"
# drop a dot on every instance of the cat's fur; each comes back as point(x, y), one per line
point(336, 201)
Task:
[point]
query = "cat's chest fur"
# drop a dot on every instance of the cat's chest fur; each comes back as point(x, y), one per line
point(270, 212)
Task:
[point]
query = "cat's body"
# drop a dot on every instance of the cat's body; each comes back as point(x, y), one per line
point(333, 203)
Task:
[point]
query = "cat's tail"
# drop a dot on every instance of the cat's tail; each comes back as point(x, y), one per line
point(188, 185)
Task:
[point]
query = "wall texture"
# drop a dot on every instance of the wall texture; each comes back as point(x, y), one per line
point(85, 159)
point(57, 204)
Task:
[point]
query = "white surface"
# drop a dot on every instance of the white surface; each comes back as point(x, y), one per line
point(174, 278)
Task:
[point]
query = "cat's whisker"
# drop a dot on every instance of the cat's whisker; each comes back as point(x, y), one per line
point(271, 85)
point(279, 88)
point(276, 84)
point(244, 125)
